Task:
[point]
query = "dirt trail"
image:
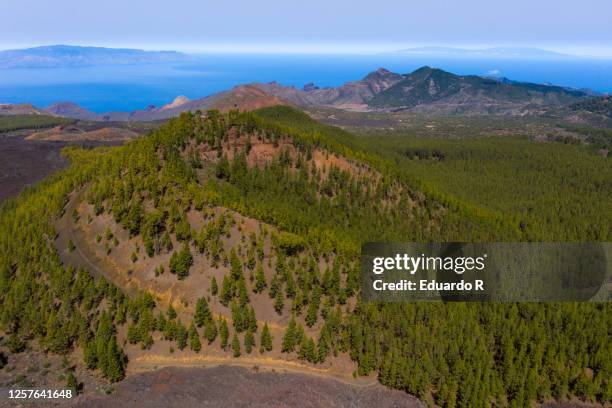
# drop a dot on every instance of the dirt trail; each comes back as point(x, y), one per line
point(150, 362)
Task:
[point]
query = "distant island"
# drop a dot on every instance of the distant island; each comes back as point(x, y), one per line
point(495, 52)
point(57, 56)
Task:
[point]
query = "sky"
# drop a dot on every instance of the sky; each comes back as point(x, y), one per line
point(346, 26)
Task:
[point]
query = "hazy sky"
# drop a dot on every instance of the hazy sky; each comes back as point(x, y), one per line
point(583, 27)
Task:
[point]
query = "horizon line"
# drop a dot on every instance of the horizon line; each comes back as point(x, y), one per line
point(578, 51)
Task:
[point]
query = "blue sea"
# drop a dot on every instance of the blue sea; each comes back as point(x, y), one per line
point(130, 87)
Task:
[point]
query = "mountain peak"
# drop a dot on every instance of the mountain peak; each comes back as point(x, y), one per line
point(380, 73)
point(431, 72)
point(426, 69)
point(178, 101)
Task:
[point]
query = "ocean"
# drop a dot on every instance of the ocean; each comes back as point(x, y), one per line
point(130, 87)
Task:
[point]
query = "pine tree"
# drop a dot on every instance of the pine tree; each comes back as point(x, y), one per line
point(243, 294)
point(251, 322)
point(238, 316)
point(170, 330)
point(227, 290)
point(89, 355)
point(235, 346)
point(194, 338)
point(210, 331)
point(185, 260)
point(115, 362)
point(235, 266)
point(202, 312)
point(299, 334)
point(173, 264)
point(160, 322)
point(249, 341)
point(56, 338)
point(104, 337)
point(307, 349)
point(326, 309)
point(260, 279)
point(275, 287)
point(322, 349)
point(251, 261)
point(313, 308)
point(181, 335)
point(224, 333)
point(279, 302)
point(266, 340)
point(289, 338)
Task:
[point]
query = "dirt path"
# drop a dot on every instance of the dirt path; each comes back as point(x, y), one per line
point(151, 362)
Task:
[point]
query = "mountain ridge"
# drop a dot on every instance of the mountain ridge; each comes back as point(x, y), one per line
point(438, 90)
point(425, 90)
point(432, 90)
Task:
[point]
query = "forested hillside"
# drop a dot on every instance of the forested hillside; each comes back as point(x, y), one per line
point(10, 123)
point(260, 218)
point(552, 191)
